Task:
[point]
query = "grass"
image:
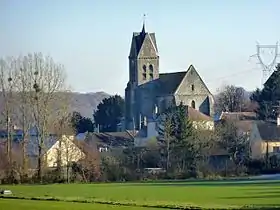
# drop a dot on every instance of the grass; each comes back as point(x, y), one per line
point(45, 205)
point(212, 194)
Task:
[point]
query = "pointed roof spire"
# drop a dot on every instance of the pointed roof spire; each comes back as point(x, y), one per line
point(143, 28)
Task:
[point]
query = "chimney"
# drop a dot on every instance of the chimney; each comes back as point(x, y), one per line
point(278, 120)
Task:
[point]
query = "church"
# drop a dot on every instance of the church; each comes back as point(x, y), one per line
point(149, 92)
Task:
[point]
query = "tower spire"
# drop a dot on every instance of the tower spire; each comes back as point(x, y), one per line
point(144, 20)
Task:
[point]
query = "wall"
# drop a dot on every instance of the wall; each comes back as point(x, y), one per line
point(255, 143)
point(164, 102)
point(204, 100)
point(258, 146)
point(270, 146)
point(204, 125)
point(69, 152)
point(147, 56)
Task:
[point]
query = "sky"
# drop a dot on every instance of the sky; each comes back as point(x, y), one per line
point(92, 38)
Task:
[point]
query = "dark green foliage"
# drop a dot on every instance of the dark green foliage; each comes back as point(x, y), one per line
point(268, 98)
point(236, 144)
point(109, 113)
point(182, 147)
point(180, 126)
point(183, 127)
point(81, 124)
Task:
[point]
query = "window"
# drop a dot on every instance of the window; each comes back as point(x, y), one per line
point(144, 76)
point(144, 68)
point(151, 76)
point(276, 149)
point(193, 104)
point(192, 87)
point(151, 68)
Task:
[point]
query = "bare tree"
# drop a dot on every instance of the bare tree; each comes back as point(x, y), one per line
point(7, 82)
point(89, 167)
point(46, 81)
point(22, 113)
point(67, 150)
point(31, 87)
point(231, 99)
point(234, 142)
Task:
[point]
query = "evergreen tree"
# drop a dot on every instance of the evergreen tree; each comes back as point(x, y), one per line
point(179, 137)
point(109, 113)
point(268, 98)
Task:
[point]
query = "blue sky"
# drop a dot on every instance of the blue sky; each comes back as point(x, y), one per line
point(92, 37)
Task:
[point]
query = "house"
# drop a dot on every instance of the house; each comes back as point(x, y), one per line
point(70, 151)
point(149, 91)
point(265, 139)
point(109, 140)
point(150, 130)
point(200, 120)
point(242, 120)
point(66, 144)
point(238, 116)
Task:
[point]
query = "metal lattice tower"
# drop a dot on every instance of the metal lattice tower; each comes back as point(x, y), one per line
point(267, 68)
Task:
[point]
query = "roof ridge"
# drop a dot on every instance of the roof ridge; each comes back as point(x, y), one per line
point(173, 72)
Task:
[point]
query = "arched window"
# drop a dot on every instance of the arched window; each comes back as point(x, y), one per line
point(144, 76)
point(193, 104)
point(151, 68)
point(192, 87)
point(144, 68)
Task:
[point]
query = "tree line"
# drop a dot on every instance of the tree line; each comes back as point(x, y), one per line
point(106, 117)
point(31, 88)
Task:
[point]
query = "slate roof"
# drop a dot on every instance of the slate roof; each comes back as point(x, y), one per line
point(238, 116)
point(139, 39)
point(32, 145)
point(244, 125)
point(169, 82)
point(196, 115)
point(111, 139)
point(274, 75)
point(269, 131)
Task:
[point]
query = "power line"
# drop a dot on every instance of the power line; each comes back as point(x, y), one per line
point(267, 68)
point(231, 75)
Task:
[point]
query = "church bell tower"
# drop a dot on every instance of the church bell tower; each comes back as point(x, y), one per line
point(143, 68)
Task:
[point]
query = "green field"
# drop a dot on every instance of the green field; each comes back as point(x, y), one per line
point(44, 205)
point(215, 194)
